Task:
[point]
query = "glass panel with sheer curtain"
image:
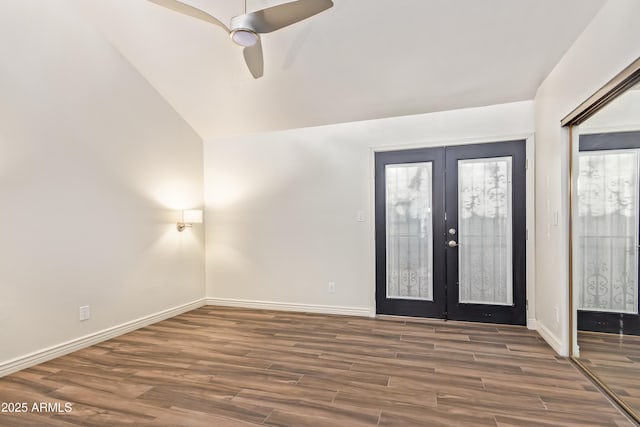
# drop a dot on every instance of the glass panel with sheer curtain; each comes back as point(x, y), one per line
point(409, 227)
point(606, 265)
point(485, 231)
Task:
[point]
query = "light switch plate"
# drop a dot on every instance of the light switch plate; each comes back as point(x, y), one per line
point(85, 313)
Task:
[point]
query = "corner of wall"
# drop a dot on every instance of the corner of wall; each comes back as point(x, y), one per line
point(555, 342)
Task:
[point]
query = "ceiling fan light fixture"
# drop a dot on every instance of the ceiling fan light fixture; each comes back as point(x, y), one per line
point(245, 29)
point(244, 37)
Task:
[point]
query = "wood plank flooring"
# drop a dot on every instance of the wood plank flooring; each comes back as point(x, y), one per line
point(226, 367)
point(615, 359)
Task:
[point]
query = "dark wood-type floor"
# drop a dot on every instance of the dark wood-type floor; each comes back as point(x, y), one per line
point(234, 367)
point(615, 360)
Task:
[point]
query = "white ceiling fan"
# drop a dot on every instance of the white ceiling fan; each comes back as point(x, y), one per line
point(245, 29)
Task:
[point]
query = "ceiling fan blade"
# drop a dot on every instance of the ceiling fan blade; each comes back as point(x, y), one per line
point(185, 9)
point(254, 59)
point(276, 17)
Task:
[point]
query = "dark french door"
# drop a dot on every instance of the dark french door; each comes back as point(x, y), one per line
point(450, 232)
point(607, 233)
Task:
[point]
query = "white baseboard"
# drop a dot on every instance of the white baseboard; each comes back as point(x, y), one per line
point(551, 339)
point(532, 324)
point(285, 306)
point(49, 353)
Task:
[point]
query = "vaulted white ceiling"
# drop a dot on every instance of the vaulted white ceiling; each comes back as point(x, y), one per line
point(361, 59)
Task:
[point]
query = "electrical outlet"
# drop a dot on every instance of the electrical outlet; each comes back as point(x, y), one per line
point(84, 313)
point(331, 287)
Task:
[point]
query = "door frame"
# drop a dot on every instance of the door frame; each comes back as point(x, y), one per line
point(530, 208)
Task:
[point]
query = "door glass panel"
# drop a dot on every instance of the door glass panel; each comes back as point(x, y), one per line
point(485, 231)
point(607, 231)
point(409, 232)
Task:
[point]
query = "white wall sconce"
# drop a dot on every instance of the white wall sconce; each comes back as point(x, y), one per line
point(188, 217)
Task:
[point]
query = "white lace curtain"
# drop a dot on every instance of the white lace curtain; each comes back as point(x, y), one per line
point(484, 216)
point(485, 269)
point(606, 265)
point(409, 231)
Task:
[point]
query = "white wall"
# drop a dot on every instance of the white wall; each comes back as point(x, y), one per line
point(281, 207)
point(92, 162)
point(607, 45)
